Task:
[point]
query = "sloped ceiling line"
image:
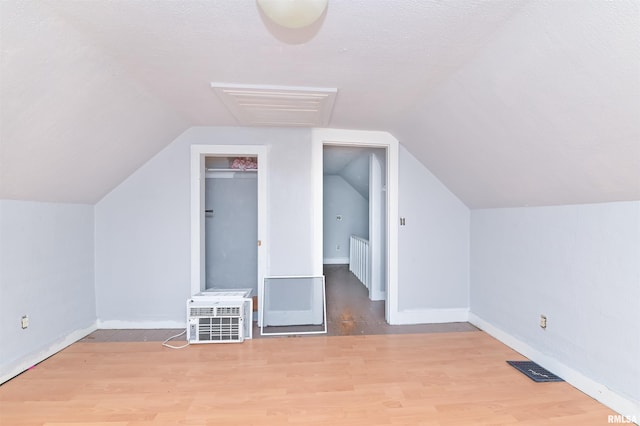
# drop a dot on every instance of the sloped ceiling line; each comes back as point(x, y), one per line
point(507, 103)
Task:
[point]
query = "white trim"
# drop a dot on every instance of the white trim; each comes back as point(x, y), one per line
point(375, 139)
point(198, 154)
point(56, 346)
point(317, 201)
point(432, 316)
point(375, 294)
point(336, 261)
point(375, 229)
point(143, 324)
point(597, 391)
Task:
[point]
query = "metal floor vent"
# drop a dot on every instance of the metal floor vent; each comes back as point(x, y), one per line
point(534, 371)
point(281, 106)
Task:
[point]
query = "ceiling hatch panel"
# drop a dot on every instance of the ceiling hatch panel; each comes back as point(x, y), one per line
point(282, 106)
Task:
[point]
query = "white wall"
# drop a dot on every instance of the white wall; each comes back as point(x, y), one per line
point(433, 247)
point(580, 266)
point(340, 198)
point(356, 173)
point(143, 232)
point(46, 272)
point(143, 226)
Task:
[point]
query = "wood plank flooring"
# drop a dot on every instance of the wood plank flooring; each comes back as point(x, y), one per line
point(432, 379)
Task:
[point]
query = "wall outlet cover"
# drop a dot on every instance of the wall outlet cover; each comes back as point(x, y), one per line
point(543, 321)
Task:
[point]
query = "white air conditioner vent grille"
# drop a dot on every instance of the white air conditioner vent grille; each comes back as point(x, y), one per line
point(228, 311)
point(212, 320)
point(208, 311)
point(215, 311)
point(219, 329)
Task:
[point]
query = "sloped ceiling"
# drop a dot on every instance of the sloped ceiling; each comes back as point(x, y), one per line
point(508, 102)
point(350, 163)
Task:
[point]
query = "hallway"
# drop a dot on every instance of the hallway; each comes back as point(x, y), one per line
point(350, 312)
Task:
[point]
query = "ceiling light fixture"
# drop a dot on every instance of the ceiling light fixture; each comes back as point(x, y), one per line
point(293, 13)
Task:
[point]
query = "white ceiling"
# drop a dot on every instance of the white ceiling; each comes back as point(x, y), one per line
point(508, 102)
point(350, 163)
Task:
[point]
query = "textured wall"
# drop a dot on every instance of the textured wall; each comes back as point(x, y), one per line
point(434, 244)
point(47, 273)
point(143, 226)
point(580, 266)
point(342, 199)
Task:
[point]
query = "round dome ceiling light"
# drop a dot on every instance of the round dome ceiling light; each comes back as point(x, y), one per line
point(293, 13)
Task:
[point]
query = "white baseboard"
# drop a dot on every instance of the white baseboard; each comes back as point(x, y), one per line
point(377, 295)
point(146, 325)
point(30, 360)
point(336, 261)
point(598, 391)
point(430, 316)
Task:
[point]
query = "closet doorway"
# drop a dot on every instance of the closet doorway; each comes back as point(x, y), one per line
point(228, 217)
point(231, 223)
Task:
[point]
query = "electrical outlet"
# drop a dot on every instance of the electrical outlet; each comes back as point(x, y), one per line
point(24, 321)
point(543, 322)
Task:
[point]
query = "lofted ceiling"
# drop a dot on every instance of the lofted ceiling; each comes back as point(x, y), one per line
point(508, 103)
point(350, 163)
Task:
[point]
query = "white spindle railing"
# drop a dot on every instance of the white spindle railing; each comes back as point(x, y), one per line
point(359, 259)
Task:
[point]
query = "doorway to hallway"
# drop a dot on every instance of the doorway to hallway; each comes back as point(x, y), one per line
point(354, 214)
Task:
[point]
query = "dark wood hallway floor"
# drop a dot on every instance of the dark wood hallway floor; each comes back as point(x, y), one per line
point(350, 312)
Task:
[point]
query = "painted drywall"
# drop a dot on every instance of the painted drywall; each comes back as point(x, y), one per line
point(546, 114)
point(74, 121)
point(143, 231)
point(143, 226)
point(577, 264)
point(433, 260)
point(46, 272)
point(356, 173)
point(231, 231)
point(343, 200)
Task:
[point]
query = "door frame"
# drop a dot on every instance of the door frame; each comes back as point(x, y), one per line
point(198, 155)
point(370, 139)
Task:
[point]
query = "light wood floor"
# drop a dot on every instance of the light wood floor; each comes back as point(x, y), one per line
point(456, 378)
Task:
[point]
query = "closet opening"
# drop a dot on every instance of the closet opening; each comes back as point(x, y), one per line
point(231, 223)
point(228, 219)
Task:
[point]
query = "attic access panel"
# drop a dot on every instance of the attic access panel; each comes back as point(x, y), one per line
point(279, 106)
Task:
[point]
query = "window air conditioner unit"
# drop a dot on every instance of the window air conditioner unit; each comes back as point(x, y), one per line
point(215, 321)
